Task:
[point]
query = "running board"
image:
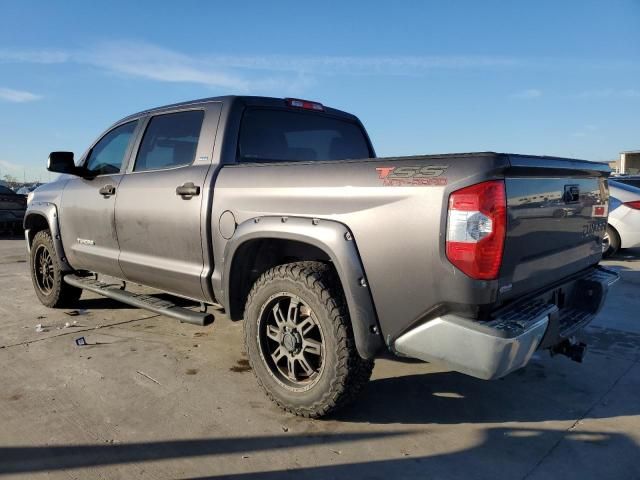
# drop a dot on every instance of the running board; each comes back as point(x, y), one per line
point(153, 304)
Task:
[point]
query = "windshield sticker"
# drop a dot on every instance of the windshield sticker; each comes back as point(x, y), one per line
point(426, 175)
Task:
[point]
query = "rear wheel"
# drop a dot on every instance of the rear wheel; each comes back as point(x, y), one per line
point(610, 242)
point(299, 340)
point(46, 274)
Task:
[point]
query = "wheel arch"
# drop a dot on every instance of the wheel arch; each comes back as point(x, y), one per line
point(286, 239)
point(40, 217)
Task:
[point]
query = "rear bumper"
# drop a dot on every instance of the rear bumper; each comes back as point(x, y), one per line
point(494, 348)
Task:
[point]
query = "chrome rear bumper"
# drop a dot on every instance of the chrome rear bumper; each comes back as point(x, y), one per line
point(492, 349)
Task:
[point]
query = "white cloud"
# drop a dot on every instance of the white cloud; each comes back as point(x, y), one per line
point(33, 56)
point(17, 96)
point(529, 93)
point(609, 93)
point(243, 73)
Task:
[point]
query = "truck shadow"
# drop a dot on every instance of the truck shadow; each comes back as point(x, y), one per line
point(501, 453)
point(63, 457)
point(543, 391)
point(515, 452)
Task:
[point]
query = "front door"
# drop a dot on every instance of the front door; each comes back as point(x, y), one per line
point(160, 202)
point(87, 206)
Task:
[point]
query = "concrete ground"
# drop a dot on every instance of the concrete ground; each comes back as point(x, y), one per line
point(152, 398)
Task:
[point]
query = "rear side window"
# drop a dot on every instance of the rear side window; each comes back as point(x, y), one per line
point(106, 156)
point(6, 191)
point(170, 141)
point(280, 135)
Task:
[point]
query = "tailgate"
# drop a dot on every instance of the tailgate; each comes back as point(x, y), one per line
point(557, 216)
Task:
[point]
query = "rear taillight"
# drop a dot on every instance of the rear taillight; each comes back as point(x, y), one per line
point(476, 228)
point(635, 204)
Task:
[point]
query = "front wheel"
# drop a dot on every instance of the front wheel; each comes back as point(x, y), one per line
point(46, 274)
point(299, 340)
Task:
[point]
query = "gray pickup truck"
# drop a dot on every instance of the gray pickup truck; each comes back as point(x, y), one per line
point(278, 211)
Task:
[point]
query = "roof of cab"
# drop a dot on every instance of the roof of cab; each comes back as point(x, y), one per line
point(245, 99)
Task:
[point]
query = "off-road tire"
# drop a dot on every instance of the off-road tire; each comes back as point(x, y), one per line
point(60, 294)
point(614, 242)
point(344, 374)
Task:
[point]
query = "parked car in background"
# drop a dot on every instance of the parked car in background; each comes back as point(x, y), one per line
point(623, 229)
point(27, 189)
point(633, 180)
point(12, 209)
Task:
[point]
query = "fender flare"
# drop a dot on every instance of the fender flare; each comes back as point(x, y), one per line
point(338, 243)
point(49, 212)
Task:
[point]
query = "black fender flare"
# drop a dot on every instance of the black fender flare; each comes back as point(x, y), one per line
point(49, 212)
point(339, 244)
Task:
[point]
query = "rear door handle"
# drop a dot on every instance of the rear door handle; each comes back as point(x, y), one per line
point(107, 190)
point(188, 190)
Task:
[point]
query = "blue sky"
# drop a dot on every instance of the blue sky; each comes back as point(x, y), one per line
point(543, 77)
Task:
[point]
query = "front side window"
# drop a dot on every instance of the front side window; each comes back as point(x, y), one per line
point(170, 141)
point(107, 155)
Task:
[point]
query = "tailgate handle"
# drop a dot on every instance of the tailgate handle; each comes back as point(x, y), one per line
point(571, 194)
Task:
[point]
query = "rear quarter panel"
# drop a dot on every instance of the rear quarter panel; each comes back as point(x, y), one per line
point(398, 223)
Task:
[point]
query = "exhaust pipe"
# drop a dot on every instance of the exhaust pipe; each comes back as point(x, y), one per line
point(571, 348)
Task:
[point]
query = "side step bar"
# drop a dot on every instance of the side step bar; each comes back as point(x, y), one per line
point(153, 304)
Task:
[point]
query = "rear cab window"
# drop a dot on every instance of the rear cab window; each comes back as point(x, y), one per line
point(292, 136)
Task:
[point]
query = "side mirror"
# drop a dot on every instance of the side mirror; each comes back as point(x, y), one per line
point(62, 162)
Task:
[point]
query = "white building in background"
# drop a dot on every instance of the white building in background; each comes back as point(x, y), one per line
point(628, 163)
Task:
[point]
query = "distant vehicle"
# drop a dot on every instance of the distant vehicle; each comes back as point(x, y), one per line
point(279, 211)
point(27, 189)
point(12, 209)
point(623, 229)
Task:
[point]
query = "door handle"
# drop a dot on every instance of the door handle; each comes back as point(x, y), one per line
point(107, 190)
point(188, 190)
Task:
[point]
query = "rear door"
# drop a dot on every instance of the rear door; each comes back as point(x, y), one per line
point(161, 201)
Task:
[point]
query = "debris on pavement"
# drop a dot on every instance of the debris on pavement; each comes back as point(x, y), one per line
point(81, 342)
point(40, 328)
point(147, 376)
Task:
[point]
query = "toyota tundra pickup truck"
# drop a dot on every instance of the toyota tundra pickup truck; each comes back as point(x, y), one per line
point(278, 211)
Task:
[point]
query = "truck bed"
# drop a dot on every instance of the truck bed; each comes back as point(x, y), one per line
point(397, 210)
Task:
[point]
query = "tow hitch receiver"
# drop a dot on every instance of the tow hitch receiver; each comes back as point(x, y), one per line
point(572, 348)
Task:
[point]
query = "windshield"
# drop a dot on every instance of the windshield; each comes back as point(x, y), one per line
point(281, 135)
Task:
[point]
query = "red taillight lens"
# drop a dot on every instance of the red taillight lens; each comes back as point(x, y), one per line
point(635, 204)
point(476, 228)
